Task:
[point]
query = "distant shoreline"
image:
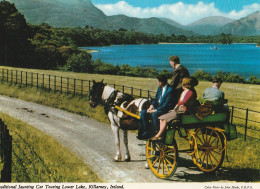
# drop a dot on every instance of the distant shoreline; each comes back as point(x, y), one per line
point(199, 43)
point(90, 50)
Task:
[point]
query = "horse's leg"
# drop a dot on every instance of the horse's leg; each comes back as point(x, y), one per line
point(115, 130)
point(127, 154)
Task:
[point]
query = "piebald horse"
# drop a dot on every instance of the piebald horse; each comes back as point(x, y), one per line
point(109, 97)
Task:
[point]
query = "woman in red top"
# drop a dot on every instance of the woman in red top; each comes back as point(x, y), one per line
point(186, 103)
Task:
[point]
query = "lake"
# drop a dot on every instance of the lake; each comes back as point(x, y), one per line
point(242, 59)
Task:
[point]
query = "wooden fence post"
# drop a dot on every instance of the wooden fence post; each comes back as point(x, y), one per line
point(26, 79)
point(246, 124)
point(21, 77)
point(61, 84)
point(74, 89)
point(3, 74)
point(89, 88)
point(16, 76)
point(55, 83)
point(68, 80)
point(81, 86)
point(49, 83)
point(7, 75)
point(43, 81)
point(32, 78)
point(37, 80)
point(11, 76)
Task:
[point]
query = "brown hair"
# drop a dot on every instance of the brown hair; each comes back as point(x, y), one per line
point(175, 59)
point(190, 82)
point(217, 79)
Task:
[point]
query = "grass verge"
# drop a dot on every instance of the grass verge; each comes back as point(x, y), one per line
point(37, 157)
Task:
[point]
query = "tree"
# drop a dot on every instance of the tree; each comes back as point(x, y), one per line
point(80, 63)
point(14, 34)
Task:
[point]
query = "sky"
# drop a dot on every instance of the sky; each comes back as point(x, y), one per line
point(182, 11)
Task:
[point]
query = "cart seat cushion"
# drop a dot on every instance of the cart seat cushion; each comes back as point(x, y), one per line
point(192, 119)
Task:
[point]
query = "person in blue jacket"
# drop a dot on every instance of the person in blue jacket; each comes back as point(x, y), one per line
point(161, 104)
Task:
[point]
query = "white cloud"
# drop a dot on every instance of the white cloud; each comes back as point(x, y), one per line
point(180, 12)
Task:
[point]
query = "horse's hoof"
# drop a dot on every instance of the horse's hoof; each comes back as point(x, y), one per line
point(128, 159)
point(117, 159)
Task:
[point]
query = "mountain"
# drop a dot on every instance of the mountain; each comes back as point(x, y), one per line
point(208, 25)
point(173, 23)
point(74, 13)
point(61, 13)
point(247, 26)
point(146, 25)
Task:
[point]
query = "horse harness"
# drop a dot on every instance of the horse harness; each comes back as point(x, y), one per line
point(110, 103)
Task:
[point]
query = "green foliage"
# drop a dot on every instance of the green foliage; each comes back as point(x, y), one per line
point(253, 80)
point(202, 75)
point(14, 33)
point(103, 68)
point(80, 63)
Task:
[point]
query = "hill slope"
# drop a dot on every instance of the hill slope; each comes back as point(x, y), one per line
point(249, 25)
point(74, 13)
point(208, 25)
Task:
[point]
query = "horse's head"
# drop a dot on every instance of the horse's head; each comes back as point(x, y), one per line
point(96, 93)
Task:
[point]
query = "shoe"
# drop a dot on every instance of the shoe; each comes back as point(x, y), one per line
point(156, 138)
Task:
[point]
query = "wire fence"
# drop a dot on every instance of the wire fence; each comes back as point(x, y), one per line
point(247, 119)
point(5, 153)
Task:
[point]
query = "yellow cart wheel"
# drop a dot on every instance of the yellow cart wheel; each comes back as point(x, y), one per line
point(161, 158)
point(210, 151)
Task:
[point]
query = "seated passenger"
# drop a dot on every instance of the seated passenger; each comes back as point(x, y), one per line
point(214, 94)
point(160, 105)
point(186, 104)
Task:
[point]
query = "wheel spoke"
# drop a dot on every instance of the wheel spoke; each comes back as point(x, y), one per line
point(169, 162)
point(210, 160)
point(150, 157)
point(213, 157)
point(203, 137)
point(170, 150)
point(206, 137)
point(210, 135)
point(155, 161)
point(158, 166)
point(213, 140)
point(162, 167)
point(199, 139)
point(166, 166)
point(216, 152)
point(207, 161)
point(203, 157)
point(150, 148)
point(172, 157)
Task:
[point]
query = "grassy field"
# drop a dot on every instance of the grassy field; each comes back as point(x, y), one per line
point(40, 158)
point(244, 157)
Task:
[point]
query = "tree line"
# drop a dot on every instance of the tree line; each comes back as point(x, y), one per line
point(46, 47)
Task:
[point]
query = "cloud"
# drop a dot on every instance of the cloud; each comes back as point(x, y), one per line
point(180, 12)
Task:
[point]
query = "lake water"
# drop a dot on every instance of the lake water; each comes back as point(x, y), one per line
point(242, 59)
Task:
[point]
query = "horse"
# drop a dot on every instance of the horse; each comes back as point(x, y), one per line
point(109, 97)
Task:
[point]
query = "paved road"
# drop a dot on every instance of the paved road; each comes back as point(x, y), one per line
point(93, 141)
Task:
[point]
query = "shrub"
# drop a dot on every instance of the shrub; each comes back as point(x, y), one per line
point(79, 63)
point(202, 75)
